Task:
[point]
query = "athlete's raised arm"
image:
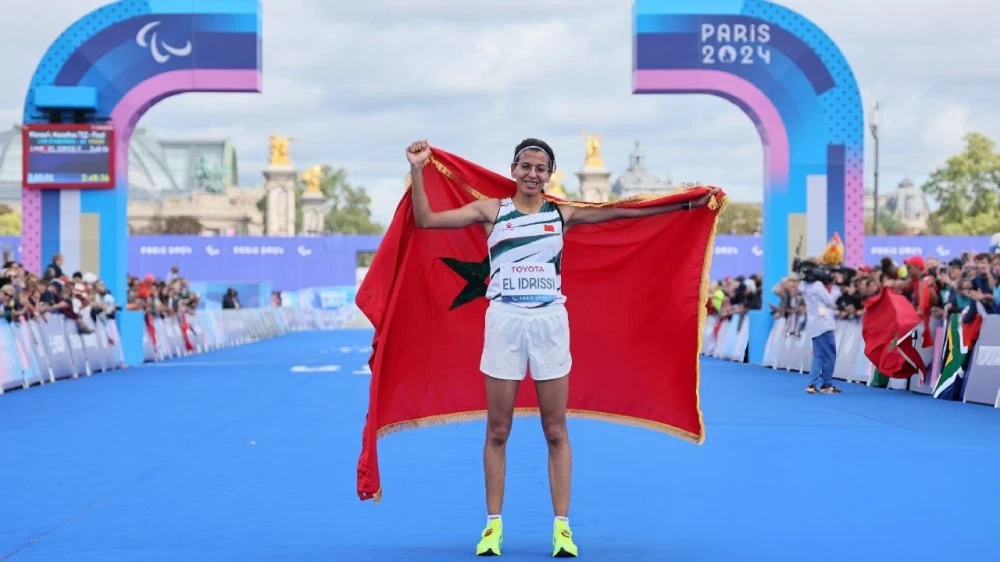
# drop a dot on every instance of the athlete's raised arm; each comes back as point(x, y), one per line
point(480, 211)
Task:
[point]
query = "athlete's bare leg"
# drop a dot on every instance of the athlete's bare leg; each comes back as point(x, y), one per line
point(500, 397)
point(552, 398)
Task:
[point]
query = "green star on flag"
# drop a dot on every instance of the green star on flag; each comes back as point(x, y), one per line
point(474, 274)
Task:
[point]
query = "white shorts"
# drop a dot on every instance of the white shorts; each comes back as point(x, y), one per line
point(518, 337)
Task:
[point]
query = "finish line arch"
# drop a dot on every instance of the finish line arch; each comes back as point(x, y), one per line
point(109, 68)
point(790, 78)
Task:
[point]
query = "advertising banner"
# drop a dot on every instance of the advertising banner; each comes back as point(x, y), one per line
point(10, 365)
point(57, 347)
point(288, 264)
point(983, 384)
point(256, 265)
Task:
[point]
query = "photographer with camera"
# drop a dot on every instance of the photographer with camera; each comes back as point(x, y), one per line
point(820, 291)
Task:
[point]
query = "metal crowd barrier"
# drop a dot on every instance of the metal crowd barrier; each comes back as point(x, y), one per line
point(789, 348)
point(44, 351)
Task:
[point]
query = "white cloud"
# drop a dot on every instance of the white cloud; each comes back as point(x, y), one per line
point(945, 128)
point(354, 82)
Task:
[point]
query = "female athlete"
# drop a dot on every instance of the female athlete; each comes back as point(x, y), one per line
point(527, 326)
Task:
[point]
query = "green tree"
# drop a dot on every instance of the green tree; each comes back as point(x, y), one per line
point(350, 207)
point(741, 218)
point(967, 188)
point(10, 221)
point(182, 225)
point(887, 224)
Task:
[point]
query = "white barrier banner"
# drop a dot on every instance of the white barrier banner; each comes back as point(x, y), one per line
point(40, 351)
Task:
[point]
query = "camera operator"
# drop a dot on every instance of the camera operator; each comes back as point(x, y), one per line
point(820, 295)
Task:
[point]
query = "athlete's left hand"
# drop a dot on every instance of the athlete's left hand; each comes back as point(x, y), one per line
point(704, 199)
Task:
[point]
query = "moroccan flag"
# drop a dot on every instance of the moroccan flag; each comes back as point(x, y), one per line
point(961, 337)
point(635, 292)
point(887, 328)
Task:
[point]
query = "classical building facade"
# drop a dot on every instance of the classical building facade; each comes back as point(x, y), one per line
point(637, 179)
point(908, 205)
point(231, 213)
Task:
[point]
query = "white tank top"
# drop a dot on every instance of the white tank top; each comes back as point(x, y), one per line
point(526, 256)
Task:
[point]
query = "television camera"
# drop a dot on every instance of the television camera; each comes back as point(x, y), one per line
point(812, 271)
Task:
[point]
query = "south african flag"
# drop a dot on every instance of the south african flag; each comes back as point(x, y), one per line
point(963, 330)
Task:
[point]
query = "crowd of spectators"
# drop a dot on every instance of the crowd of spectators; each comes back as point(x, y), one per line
point(83, 298)
point(162, 298)
point(735, 296)
point(80, 297)
point(936, 289)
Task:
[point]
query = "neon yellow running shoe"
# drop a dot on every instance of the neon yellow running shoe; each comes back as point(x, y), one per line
point(491, 540)
point(562, 541)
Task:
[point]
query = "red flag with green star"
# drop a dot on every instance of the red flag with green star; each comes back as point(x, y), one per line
point(887, 329)
point(635, 290)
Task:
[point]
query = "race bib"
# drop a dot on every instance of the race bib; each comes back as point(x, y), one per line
point(530, 282)
point(823, 311)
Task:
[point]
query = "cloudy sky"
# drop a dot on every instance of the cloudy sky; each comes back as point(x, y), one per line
point(354, 82)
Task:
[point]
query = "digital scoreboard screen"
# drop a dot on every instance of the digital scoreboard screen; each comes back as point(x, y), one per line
point(62, 156)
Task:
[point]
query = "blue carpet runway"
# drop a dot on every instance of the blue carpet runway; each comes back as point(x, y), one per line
point(250, 454)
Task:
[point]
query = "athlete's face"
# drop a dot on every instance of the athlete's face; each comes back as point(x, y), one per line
point(531, 171)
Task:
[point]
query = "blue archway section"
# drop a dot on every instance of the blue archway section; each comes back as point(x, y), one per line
point(789, 77)
point(116, 63)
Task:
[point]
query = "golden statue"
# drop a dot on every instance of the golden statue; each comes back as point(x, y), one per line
point(555, 186)
point(313, 177)
point(279, 150)
point(593, 158)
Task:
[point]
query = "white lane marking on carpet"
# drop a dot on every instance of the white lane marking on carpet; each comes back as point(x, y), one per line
point(315, 369)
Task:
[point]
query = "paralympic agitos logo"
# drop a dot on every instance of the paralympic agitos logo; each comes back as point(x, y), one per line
point(155, 45)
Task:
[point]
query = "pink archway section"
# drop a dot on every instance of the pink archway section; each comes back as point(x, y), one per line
point(758, 106)
point(137, 102)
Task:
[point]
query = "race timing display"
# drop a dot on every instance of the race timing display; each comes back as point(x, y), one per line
point(68, 156)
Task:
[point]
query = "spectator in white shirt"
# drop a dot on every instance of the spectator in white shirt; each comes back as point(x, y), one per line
point(821, 324)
